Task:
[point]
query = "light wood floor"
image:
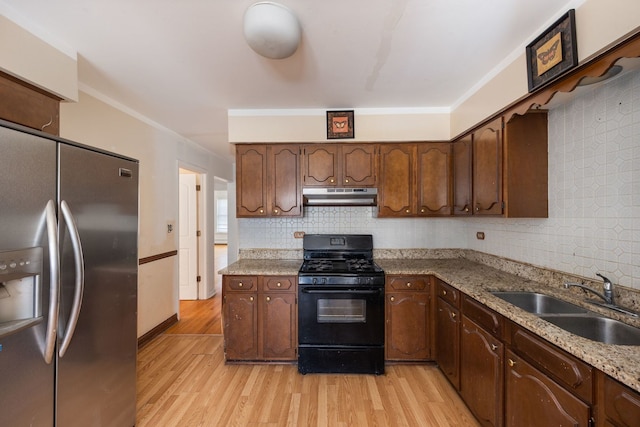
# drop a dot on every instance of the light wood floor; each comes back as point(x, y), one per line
point(184, 382)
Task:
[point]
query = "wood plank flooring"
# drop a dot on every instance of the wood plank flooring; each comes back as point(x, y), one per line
point(184, 382)
point(199, 317)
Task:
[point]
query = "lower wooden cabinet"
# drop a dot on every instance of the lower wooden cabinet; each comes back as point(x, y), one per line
point(618, 405)
point(260, 317)
point(533, 399)
point(481, 373)
point(408, 318)
point(447, 331)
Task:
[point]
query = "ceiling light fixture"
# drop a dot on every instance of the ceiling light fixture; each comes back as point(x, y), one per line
point(271, 30)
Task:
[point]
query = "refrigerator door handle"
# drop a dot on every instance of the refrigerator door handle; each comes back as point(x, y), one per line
point(79, 264)
point(54, 286)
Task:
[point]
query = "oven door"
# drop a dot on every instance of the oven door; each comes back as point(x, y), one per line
point(331, 316)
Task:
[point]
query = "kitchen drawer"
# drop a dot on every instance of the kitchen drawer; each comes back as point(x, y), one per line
point(240, 283)
point(488, 319)
point(279, 283)
point(448, 293)
point(407, 283)
point(572, 373)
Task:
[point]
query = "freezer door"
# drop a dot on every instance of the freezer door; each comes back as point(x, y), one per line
point(97, 372)
point(27, 184)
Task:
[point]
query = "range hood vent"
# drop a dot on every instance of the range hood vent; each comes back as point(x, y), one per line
point(313, 196)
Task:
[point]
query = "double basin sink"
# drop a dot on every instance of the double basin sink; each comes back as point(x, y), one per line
point(574, 319)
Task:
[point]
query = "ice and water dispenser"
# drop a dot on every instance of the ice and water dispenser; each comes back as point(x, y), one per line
point(20, 289)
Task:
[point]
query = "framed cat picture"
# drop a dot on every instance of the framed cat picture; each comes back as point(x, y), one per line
point(340, 124)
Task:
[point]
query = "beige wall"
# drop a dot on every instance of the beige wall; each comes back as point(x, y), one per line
point(95, 123)
point(23, 55)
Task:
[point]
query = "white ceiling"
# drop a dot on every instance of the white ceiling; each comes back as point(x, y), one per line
point(184, 63)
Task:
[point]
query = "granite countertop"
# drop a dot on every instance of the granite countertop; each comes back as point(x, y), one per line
point(478, 280)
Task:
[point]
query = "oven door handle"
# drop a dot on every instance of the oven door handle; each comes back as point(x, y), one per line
point(341, 291)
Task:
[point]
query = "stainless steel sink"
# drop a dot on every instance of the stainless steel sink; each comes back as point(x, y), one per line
point(597, 328)
point(537, 303)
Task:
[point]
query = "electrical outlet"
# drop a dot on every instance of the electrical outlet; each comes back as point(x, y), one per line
point(298, 234)
point(480, 235)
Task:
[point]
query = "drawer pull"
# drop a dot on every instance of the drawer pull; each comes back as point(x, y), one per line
point(511, 362)
point(408, 284)
point(278, 284)
point(240, 284)
point(494, 347)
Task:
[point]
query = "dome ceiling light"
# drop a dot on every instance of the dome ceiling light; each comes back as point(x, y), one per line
point(271, 30)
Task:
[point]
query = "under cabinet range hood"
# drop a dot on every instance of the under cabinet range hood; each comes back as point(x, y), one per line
point(313, 196)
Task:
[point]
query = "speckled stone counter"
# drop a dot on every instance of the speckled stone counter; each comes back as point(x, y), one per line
point(477, 280)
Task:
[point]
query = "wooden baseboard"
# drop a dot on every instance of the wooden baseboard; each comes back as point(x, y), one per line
point(146, 338)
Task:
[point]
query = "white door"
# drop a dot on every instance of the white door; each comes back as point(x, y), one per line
point(188, 253)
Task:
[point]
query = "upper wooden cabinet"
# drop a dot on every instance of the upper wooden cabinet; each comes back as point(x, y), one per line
point(268, 180)
point(434, 178)
point(340, 165)
point(28, 106)
point(415, 179)
point(501, 169)
point(462, 175)
point(396, 192)
point(487, 169)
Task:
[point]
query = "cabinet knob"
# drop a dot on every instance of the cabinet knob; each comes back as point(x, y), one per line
point(444, 292)
point(268, 299)
point(250, 298)
point(331, 180)
point(407, 211)
point(422, 210)
point(408, 284)
point(240, 284)
point(392, 299)
point(466, 209)
point(477, 209)
point(346, 181)
point(278, 284)
point(510, 362)
point(494, 347)
point(261, 210)
point(453, 315)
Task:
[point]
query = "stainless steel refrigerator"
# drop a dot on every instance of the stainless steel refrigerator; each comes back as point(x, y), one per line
point(68, 283)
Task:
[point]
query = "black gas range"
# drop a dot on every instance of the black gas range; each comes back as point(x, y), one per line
point(340, 306)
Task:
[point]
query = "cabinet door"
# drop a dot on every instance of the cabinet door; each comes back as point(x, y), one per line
point(481, 375)
point(283, 190)
point(279, 321)
point(448, 341)
point(251, 175)
point(534, 400)
point(320, 165)
point(397, 180)
point(407, 326)
point(433, 178)
point(241, 326)
point(621, 406)
point(487, 169)
point(462, 177)
point(359, 165)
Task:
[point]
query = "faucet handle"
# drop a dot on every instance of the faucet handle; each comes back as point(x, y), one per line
point(607, 282)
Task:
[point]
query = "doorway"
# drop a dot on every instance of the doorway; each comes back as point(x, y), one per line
point(191, 226)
